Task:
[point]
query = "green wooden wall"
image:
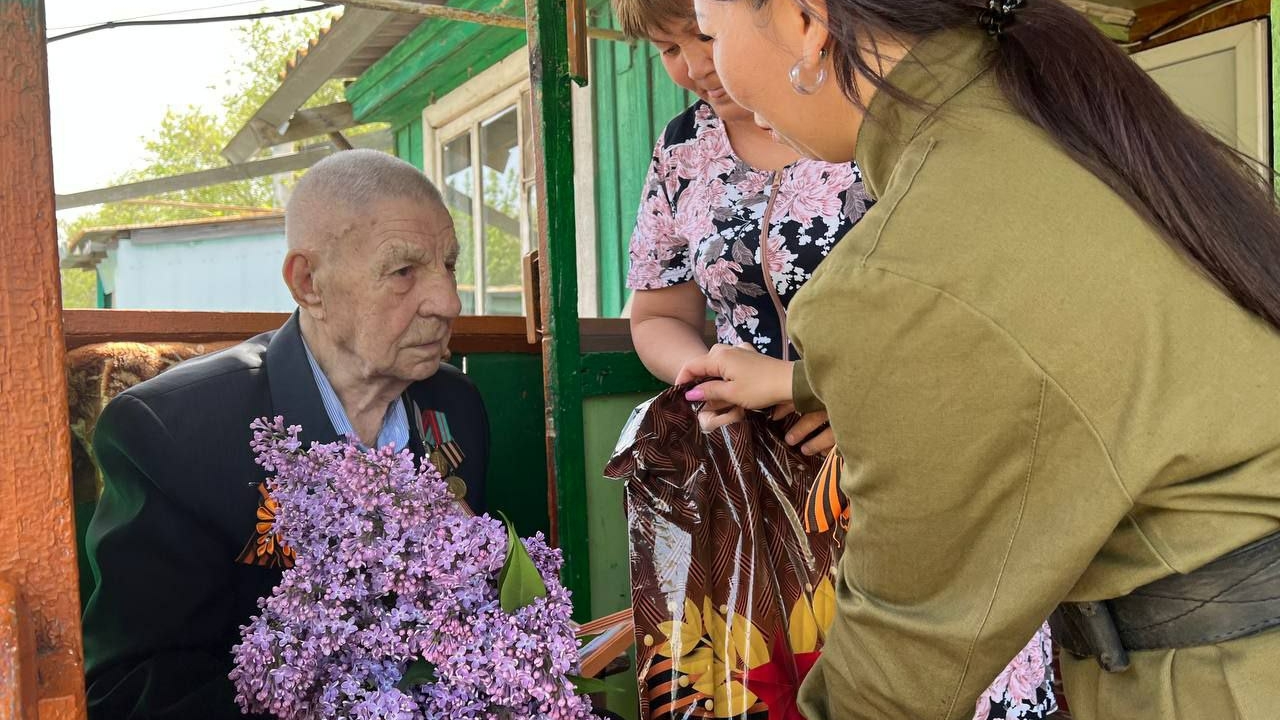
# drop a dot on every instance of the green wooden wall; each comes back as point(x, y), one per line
point(607, 526)
point(511, 386)
point(409, 142)
point(1275, 83)
point(633, 102)
point(431, 61)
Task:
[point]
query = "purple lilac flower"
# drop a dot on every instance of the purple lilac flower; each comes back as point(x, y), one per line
point(389, 570)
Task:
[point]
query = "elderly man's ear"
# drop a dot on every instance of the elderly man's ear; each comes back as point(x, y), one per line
point(299, 275)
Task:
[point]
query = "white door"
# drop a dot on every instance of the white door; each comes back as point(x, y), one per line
point(1222, 79)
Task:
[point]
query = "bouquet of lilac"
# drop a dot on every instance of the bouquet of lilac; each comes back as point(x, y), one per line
point(400, 604)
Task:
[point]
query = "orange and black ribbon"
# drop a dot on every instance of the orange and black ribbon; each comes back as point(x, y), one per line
point(826, 504)
point(266, 548)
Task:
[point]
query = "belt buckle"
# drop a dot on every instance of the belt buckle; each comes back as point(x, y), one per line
point(1092, 624)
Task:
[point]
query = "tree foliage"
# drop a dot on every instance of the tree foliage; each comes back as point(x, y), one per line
point(191, 138)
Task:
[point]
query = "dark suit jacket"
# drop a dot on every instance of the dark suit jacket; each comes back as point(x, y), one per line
point(179, 506)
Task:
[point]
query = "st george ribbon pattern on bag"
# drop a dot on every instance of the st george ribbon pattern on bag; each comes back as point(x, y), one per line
point(731, 597)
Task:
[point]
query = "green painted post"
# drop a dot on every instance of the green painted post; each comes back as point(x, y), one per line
point(561, 351)
point(1275, 83)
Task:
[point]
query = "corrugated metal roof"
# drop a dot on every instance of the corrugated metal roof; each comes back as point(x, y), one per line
point(107, 233)
point(380, 43)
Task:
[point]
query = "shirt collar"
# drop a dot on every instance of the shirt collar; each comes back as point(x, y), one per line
point(395, 424)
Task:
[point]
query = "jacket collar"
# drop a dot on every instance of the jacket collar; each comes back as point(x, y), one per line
point(294, 394)
point(931, 75)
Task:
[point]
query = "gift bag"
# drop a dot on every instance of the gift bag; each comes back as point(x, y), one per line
point(731, 597)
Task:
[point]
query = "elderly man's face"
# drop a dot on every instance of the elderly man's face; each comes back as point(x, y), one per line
point(395, 292)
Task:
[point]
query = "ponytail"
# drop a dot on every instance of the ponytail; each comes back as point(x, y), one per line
point(1209, 201)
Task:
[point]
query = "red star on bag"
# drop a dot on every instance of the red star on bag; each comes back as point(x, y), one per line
point(777, 682)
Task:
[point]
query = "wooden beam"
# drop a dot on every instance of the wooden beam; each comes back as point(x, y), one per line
point(548, 38)
point(231, 173)
point(340, 142)
point(1153, 17)
point(40, 605)
point(311, 122)
point(202, 178)
point(579, 42)
point(471, 334)
point(19, 696)
point(211, 207)
point(346, 35)
point(1223, 17)
point(1104, 13)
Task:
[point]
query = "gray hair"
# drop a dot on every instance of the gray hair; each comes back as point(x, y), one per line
point(347, 183)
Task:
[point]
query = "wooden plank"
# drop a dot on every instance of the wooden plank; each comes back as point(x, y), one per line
point(471, 334)
point(616, 373)
point(231, 173)
point(404, 52)
point(447, 40)
point(415, 142)
point(307, 124)
point(84, 327)
point(346, 35)
point(511, 386)
point(452, 104)
point(18, 686)
point(461, 64)
point(608, 205)
point(1150, 18)
point(553, 137)
point(37, 530)
point(1102, 12)
point(1224, 17)
point(635, 149)
point(605, 335)
point(312, 122)
point(578, 41)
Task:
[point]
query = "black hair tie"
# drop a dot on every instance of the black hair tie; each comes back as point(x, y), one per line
point(999, 15)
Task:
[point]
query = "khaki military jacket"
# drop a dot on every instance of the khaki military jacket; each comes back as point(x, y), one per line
point(1038, 399)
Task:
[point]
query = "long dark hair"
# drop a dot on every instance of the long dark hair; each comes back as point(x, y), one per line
point(1209, 200)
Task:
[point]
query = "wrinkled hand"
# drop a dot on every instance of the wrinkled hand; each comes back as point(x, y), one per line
point(747, 380)
point(808, 424)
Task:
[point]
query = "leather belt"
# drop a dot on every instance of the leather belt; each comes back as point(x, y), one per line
point(1232, 597)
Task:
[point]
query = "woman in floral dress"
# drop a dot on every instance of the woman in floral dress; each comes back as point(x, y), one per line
point(716, 180)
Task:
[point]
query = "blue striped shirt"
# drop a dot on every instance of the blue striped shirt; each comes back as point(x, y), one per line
point(395, 424)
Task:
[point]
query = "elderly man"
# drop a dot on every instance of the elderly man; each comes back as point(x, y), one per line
point(181, 544)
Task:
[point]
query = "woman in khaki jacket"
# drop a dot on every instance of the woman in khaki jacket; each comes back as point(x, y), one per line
point(1049, 354)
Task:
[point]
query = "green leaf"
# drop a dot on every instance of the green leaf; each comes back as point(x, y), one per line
point(590, 686)
point(419, 672)
point(519, 583)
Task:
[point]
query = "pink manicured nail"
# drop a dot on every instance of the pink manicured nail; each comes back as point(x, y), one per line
point(695, 395)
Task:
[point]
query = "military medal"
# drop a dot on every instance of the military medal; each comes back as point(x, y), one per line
point(438, 461)
point(457, 487)
point(442, 450)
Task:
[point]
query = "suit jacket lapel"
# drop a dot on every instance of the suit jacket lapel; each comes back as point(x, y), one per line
point(294, 394)
point(417, 443)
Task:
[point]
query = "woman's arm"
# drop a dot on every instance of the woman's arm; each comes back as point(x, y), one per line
point(666, 327)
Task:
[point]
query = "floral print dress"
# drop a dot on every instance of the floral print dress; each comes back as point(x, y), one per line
point(700, 220)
